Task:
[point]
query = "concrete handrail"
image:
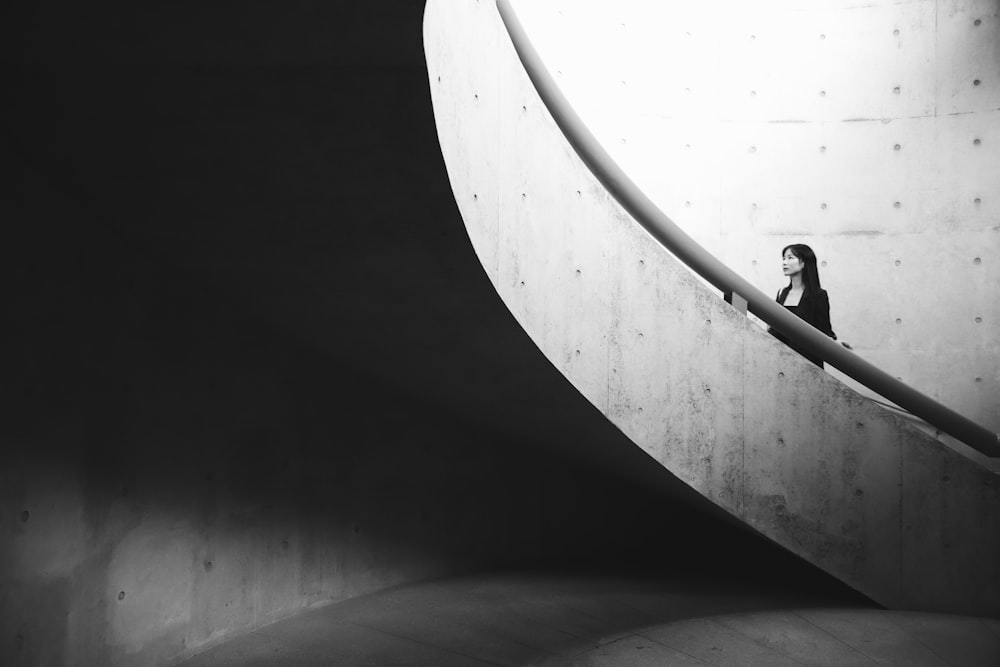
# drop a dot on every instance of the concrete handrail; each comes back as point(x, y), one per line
point(678, 243)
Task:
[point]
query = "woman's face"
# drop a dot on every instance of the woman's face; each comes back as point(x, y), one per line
point(790, 264)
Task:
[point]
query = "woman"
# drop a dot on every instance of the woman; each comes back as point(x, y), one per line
point(803, 296)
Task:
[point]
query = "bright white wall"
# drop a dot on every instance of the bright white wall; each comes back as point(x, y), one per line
point(868, 130)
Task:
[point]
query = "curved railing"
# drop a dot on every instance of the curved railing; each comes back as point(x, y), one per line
point(664, 230)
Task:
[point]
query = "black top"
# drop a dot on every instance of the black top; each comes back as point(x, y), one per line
point(814, 308)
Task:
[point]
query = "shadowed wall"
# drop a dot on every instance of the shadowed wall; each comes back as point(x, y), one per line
point(253, 363)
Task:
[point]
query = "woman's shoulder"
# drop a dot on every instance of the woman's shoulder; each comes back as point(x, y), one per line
point(818, 295)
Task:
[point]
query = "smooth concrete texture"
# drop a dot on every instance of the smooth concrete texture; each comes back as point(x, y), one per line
point(868, 130)
point(557, 619)
point(251, 363)
point(739, 417)
point(179, 472)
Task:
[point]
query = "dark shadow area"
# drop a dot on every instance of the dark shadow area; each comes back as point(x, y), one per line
point(251, 348)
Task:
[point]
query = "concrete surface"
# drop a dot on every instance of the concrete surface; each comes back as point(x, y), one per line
point(544, 619)
point(749, 424)
point(251, 364)
point(868, 130)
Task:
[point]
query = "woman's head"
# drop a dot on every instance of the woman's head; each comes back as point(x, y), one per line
point(800, 259)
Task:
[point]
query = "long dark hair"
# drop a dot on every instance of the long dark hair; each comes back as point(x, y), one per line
point(810, 273)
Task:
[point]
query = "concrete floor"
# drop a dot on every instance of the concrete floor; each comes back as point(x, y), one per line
point(537, 619)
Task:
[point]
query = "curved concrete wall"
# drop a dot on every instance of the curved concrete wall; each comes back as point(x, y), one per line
point(749, 424)
point(179, 471)
point(250, 365)
point(870, 131)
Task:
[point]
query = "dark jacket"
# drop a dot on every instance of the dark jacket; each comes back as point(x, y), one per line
point(814, 308)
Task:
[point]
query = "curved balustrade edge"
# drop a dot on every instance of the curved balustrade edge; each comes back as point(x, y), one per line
point(697, 258)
